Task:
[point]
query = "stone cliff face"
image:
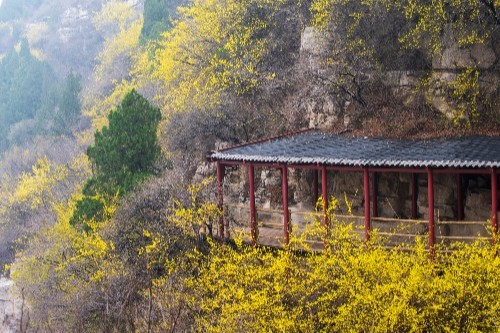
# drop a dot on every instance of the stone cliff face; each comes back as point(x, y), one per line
point(324, 108)
point(10, 308)
point(71, 22)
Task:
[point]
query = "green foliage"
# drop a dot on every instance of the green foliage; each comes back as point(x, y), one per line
point(125, 151)
point(24, 81)
point(88, 209)
point(61, 107)
point(156, 19)
point(69, 109)
point(123, 155)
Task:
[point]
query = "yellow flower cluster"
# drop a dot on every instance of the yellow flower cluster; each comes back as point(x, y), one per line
point(348, 288)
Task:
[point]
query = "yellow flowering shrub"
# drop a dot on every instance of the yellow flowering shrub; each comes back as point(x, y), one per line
point(35, 187)
point(61, 264)
point(215, 46)
point(350, 287)
point(197, 215)
point(188, 285)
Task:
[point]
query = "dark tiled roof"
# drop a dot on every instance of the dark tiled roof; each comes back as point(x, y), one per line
point(326, 149)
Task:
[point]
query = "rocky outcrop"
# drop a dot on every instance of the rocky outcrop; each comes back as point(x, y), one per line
point(10, 308)
point(323, 106)
point(71, 22)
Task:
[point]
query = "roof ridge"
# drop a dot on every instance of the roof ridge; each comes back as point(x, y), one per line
point(304, 130)
point(316, 147)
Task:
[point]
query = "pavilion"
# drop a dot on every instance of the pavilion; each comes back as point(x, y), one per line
point(323, 152)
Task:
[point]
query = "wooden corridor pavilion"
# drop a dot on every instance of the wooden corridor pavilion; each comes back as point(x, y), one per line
point(323, 152)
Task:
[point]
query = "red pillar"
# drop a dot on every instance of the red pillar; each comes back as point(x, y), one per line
point(430, 204)
point(220, 195)
point(315, 187)
point(374, 195)
point(284, 192)
point(494, 201)
point(253, 218)
point(366, 182)
point(324, 194)
point(414, 194)
point(460, 199)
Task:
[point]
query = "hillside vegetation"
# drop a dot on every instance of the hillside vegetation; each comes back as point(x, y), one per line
point(105, 225)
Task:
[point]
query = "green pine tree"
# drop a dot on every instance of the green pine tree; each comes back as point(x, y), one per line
point(24, 83)
point(123, 154)
point(127, 149)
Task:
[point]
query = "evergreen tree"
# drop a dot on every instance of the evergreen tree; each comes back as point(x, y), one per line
point(126, 150)
point(69, 108)
point(123, 154)
point(30, 79)
point(61, 106)
point(24, 81)
point(156, 19)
